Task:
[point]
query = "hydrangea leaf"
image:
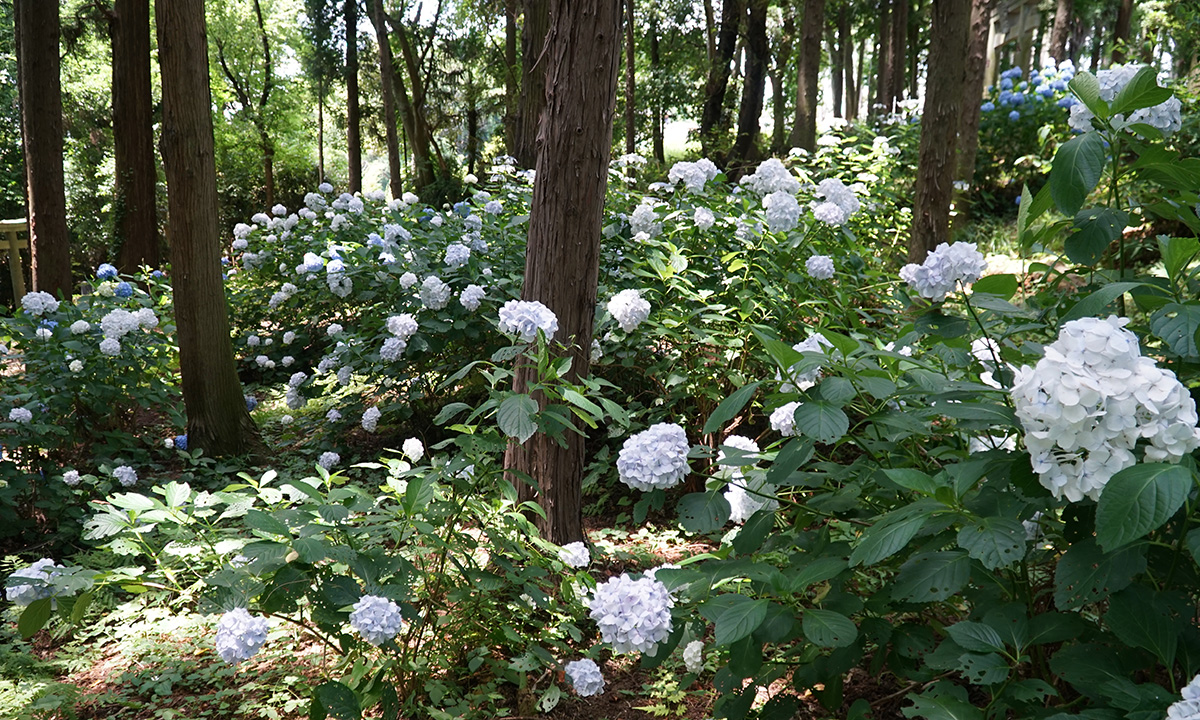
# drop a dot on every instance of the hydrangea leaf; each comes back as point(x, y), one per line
point(996, 542)
point(1077, 167)
point(928, 577)
point(941, 707)
point(1003, 285)
point(983, 669)
point(828, 628)
point(1142, 91)
point(891, 532)
point(265, 522)
point(730, 407)
point(1178, 324)
point(1086, 574)
point(1138, 619)
point(703, 512)
point(742, 617)
point(790, 458)
point(1087, 88)
point(1139, 499)
point(822, 421)
point(1094, 304)
point(515, 417)
point(337, 701)
point(1177, 253)
point(976, 637)
point(34, 617)
point(1096, 229)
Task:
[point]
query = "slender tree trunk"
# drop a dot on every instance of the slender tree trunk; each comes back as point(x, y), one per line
point(37, 29)
point(133, 136)
point(563, 256)
point(745, 147)
point(656, 73)
point(1097, 44)
point(472, 124)
point(853, 80)
point(710, 33)
point(883, 77)
point(718, 74)
point(781, 65)
point(1121, 30)
point(416, 126)
point(1063, 12)
point(898, 53)
point(837, 70)
point(217, 418)
point(533, 80)
point(321, 139)
point(512, 86)
point(915, 22)
point(804, 124)
point(387, 75)
point(939, 127)
point(968, 128)
point(353, 115)
point(630, 68)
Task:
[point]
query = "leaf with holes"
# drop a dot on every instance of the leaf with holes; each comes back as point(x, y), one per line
point(1096, 229)
point(337, 701)
point(932, 576)
point(976, 637)
point(1086, 574)
point(941, 707)
point(703, 512)
point(1178, 324)
point(828, 628)
point(983, 669)
point(996, 542)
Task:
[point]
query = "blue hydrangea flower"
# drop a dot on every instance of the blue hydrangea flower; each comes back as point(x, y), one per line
point(106, 272)
point(251, 403)
point(988, 106)
point(654, 458)
point(585, 677)
point(181, 442)
point(240, 635)
point(123, 290)
point(632, 615)
point(376, 618)
point(1014, 116)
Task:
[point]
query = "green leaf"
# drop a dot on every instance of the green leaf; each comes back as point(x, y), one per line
point(754, 532)
point(1137, 619)
point(913, 479)
point(983, 669)
point(820, 569)
point(338, 701)
point(790, 458)
point(730, 407)
point(821, 421)
point(1094, 304)
point(515, 417)
point(703, 512)
point(1087, 88)
point(941, 707)
point(927, 577)
point(939, 324)
point(34, 617)
point(890, 533)
point(1142, 91)
point(1177, 253)
point(1096, 229)
point(1177, 325)
point(836, 390)
point(1032, 207)
point(579, 401)
point(176, 494)
point(1077, 167)
point(1002, 284)
point(976, 637)
point(1193, 544)
point(742, 617)
point(828, 628)
point(1139, 499)
point(259, 520)
point(996, 542)
point(1085, 574)
point(449, 411)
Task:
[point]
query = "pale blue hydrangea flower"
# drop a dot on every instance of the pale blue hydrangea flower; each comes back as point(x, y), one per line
point(629, 309)
point(392, 349)
point(1189, 707)
point(328, 459)
point(20, 415)
point(632, 615)
point(333, 415)
point(457, 255)
point(435, 294)
point(408, 280)
point(22, 595)
point(71, 478)
point(704, 218)
point(944, 269)
point(524, 318)
point(402, 326)
point(471, 296)
point(370, 419)
point(654, 458)
point(783, 211)
point(240, 635)
point(575, 554)
point(39, 303)
point(771, 176)
point(79, 327)
point(819, 267)
point(585, 677)
point(125, 475)
point(376, 618)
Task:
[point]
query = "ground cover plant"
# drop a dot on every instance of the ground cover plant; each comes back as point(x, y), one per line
point(978, 486)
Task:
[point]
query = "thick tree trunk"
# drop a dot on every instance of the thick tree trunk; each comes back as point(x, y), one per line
point(562, 259)
point(353, 115)
point(883, 79)
point(533, 80)
point(387, 76)
point(804, 123)
point(133, 136)
point(1121, 30)
point(630, 81)
point(745, 145)
point(217, 418)
point(939, 126)
point(837, 70)
point(37, 29)
point(718, 74)
point(1063, 18)
point(968, 128)
point(512, 86)
point(898, 53)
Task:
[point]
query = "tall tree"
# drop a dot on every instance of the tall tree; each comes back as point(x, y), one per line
point(897, 54)
point(1063, 19)
point(837, 68)
point(533, 80)
point(512, 82)
point(411, 97)
point(353, 114)
point(562, 258)
point(778, 71)
point(136, 176)
point(939, 127)
point(973, 82)
point(218, 420)
point(846, 46)
point(718, 73)
point(1121, 29)
point(322, 62)
point(658, 118)
point(387, 77)
point(37, 30)
point(630, 80)
point(883, 70)
point(804, 123)
point(758, 56)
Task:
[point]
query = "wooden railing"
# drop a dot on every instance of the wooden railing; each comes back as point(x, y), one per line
point(11, 244)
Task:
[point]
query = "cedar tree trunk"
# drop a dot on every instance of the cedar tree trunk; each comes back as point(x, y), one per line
point(630, 81)
point(353, 114)
point(533, 81)
point(745, 145)
point(133, 136)
point(387, 76)
point(1121, 31)
point(968, 128)
point(1063, 11)
point(804, 123)
point(718, 74)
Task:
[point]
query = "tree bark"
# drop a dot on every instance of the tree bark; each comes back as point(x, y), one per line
point(512, 86)
point(781, 65)
point(915, 16)
point(533, 80)
point(353, 114)
point(133, 136)
point(745, 145)
point(939, 126)
point(387, 75)
point(412, 108)
point(656, 133)
point(40, 88)
point(1121, 30)
point(1063, 17)
point(1097, 43)
point(898, 53)
point(218, 420)
point(853, 79)
point(973, 82)
point(630, 81)
point(710, 33)
point(837, 70)
point(804, 124)
point(883, 78)
point(562, 259)
point(718, 74)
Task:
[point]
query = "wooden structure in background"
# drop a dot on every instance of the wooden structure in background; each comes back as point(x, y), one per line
point(1014, 23)
point(11, 245)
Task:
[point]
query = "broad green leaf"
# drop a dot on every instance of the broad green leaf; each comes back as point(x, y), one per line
point(820, 569)
point(1177, 324)
point(1032, 207)
point(703, 512)
point(1177, 253)
point(983, 669)
point(515, 417)
point(176, 494)
point(1193, 544)
point(579, 401)
point(790, 458)
point(1139, 499)
point(1094, 304)
point(1077, 167)
point(742, 617)
point(132, 501)
point(1137, 619)
point(754, 532)
point(34, 617)
point(1086, 574)
point(1002, 284)
point(828, 629)
point(836, 390)
point(1096, 229)
point(259, 520)
point(1142, 91)
point(1054, 627)
point(449, 411)
point(1087, 88)
point(939, 324)
point(927, 577)
point(891, 532)
point(730, 407)
point(941, 707)
point(338, 701)
point(821, 421)
point(976, 637)
point(994, 541)
point(913, 479)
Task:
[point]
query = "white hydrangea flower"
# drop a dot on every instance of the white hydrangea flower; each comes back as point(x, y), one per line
point(435, 294)
point(71, 478)
point(39, 303)
point(457, 255)
point(493, 207)
point(746, 494)
point(804, 379)
point(1188, 708)
point(783, 419)
point(75, 366)
point(585, 677)
point(110, 346)
point(645, 220)
point(409, 199)
point(413, 448)
point(20, 415)
point(393, 349)
point(575, 554)
point(783, 211)
point(334, 329)
point(654, 458)
point(328, 459)
point(343, 375)
point(289, 337)
point(240, 635)
point(125, 475)
point(819, 267)
point(523, 318)
point(769, 177)
point(629, 309)
point(408, 280)
point(23, 594)
point(946, 267)
point(402, 326)
point(297, 379)
point(1090, 400)
point(704, 218)
point(838, 203)
point(370, 419)
point(632, 615)
point(471, 296)
point(79, 327)
point(693, 656)
point(695, 175)
point(118, 323)
point(376, 618)
point(333, 415)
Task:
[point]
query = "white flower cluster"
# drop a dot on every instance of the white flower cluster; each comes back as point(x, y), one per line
point(633, 615)
point(746, 496)
point(654, 458)
point(819, 267)
point(1166, 116)
point(628, 309)
point(585, 677)
point(125, 475)
point(457, 255)
point(695, 175)
point(783, 419)
point(328, 459)
point(575, 554)
point(944, 269)
point(376, 618)
point(435, 294)
point(1088, 402)
point(20, 415)
point(838, 205)
point(240, 635)
point(413, 448)
point(524, 318)
point(471, 296)
point(804, 379)
point(39, 303)
point(118, 323)
point(23, 594)
point(769, 177)
point(704, 218)
point(645, 220)
point(1189, 707)
point(783, 211)
point(693, 656)
point(79, 327)
point(370, 419)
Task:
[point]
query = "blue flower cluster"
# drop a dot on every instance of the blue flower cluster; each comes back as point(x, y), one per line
point(1019, 96)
